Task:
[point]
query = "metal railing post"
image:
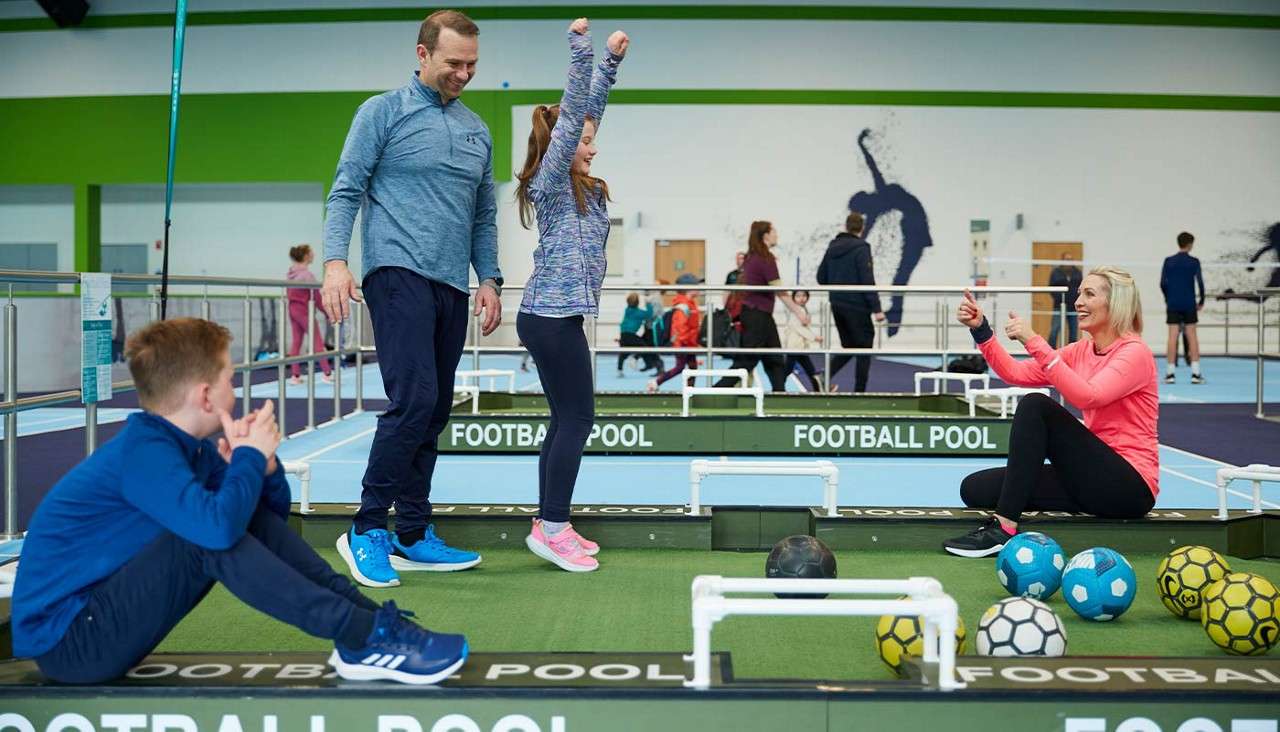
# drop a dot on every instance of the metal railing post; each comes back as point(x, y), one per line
point(1063, 333)
point(828, 314)
point(311, 365)
point(709, 306)
point(11, 419)
point(1262, 309)
point(358, 314)
point(338, 329)
point(475, 342)
point(206, 310)
point(282, 341)
point(90, 428)
point(246, 376)
point(1226, 328)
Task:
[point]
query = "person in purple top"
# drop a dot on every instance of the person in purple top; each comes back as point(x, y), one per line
point(557, 190)
point(759, 330)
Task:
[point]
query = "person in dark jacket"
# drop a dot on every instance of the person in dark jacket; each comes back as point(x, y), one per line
point(848, 262)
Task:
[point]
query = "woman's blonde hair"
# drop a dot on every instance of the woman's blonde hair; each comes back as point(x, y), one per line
point(1122, 299)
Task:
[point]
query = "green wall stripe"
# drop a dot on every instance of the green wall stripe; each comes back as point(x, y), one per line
point(681, 12)
point(297, 136)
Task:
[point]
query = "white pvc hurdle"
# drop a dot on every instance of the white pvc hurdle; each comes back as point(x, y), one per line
point(464, 378)
point(1257, 473)
point(925, 594)
point(825, 469)
point(1008, 396)
point(303, 471)
point(938, 377)
point(687, 391)
point(468, 390)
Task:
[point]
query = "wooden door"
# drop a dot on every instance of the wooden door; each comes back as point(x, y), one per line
point(1042, 302)
point(675, 257)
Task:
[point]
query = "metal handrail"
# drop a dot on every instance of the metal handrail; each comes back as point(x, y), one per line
point(13, 404)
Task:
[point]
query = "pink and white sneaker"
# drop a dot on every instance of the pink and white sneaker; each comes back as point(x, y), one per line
point(564, 550)
point(589, 547)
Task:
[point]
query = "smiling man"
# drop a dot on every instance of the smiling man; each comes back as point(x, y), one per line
point(418, 166)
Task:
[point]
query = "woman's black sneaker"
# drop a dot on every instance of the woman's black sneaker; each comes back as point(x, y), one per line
point(983, 541)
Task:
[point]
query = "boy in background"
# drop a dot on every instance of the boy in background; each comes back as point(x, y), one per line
point(1178, 281)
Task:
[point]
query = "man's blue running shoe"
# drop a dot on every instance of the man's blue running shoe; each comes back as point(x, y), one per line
point(400, 650)
point(430, 555)
point(366, 556)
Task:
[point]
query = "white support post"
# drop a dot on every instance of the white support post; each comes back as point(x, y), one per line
point(303, 471)
point(824, 469)
point(469, 390)
point(924, 598)
point(1256, 473)
point(687, 391)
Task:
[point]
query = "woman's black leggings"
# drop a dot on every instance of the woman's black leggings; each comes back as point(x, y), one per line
point(1084, 474)
point(559, 348)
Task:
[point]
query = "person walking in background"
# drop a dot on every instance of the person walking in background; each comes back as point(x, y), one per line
point(1179, 279)
point(299, 313)
point(758, 327)
point(634, 318)
point(1068, 276)
point(685, 323)
point(847, 261)
point(798, 337)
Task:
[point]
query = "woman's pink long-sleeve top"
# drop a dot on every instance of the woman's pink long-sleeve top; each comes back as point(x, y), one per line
point(1115, 390)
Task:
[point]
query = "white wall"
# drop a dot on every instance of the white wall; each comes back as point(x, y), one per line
point(40, 215)
point(1123, 182)
point(225, 230)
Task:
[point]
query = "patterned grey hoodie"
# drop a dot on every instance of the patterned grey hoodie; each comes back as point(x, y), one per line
point(569, 263)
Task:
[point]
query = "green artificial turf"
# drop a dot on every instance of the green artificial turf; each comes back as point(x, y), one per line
point(639, 601)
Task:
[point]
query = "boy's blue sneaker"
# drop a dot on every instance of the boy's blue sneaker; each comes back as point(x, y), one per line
point(400, 650)
point(430, 555)
point(366, 556)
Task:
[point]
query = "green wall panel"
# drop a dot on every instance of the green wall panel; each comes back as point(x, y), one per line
point(297, 136)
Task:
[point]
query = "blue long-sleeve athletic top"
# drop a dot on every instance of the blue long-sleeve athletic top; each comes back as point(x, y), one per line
point(420, 171)
point(149, 479)
point(569, 263)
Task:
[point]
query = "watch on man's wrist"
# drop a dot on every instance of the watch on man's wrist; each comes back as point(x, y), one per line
point(494, 284)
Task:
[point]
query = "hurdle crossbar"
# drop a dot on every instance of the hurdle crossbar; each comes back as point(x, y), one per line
point(1256, 473)
point(939, 377)
point(687, 391)
point(492, 375)
point(1008, 396)
point(825, 469)
point(925, 598)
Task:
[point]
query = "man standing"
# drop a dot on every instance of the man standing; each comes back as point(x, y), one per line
point(418, 165)
point(1068, 276)
point(848, 262)
point(1178, 280)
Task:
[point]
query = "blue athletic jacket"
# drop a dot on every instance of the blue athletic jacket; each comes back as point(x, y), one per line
point(150, 478)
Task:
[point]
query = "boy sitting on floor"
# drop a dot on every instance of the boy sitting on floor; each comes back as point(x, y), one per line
point(131, 539)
